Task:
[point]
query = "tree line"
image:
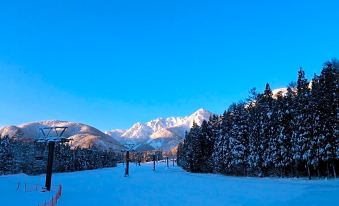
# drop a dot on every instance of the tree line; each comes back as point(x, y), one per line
point(292, 133)
point(30, 157)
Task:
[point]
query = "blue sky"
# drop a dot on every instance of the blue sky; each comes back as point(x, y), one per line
point(112, 63)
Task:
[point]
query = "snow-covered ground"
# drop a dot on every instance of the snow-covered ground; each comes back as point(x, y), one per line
point(169, 186)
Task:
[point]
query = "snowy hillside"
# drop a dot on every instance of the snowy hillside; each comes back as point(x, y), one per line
point(161, 133)
point(82, 135)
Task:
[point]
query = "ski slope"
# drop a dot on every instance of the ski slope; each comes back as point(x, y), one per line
point(169, 186)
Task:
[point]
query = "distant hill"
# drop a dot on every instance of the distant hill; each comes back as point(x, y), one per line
point(83, 136)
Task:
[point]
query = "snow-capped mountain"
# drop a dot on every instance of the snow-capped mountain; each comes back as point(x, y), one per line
point(276, 92)
point(83, 136)
point(160, 133)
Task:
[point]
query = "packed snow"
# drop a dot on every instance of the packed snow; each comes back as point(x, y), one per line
point(168, 186)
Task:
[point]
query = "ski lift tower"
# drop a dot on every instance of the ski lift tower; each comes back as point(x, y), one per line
point(129, 147)
point(154, 157)
point(51, 135)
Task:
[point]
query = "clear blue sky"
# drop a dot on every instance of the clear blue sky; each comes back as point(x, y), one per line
point(112, 63)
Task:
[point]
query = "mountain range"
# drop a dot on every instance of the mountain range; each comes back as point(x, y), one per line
point(161, 133)
point(81, 135)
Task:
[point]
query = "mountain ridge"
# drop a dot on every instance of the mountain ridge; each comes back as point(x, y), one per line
point(81, 135)
point(160, 133)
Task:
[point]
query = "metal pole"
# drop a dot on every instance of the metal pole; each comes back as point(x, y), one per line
point(49, 165)
point(167, 161)
point(153, 162)
point(127, 164)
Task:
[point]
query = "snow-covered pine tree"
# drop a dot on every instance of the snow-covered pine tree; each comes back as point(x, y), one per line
point(275, 142)
point(180, 160)
point(232, 137)
point(275, 138)
point(217, 153)
point(214, 128)
point(182, 153)
point(6, 156)
point(206, 138)
point(325, 101)
point(194, 149)
point(220, 152)
point(303, 140)
point(317, 124)
point(284, 128)
point(225, 132)
point(238, 139)
point(253, 161)
point(266, 128)
point(287, 121)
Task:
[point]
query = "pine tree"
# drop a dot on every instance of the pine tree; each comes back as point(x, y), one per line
point(207, 142)
point(238, 138)
point(180, 160)
point(6, 155)
point(303, 140)
point(227, 153)
point(253, 161)
point(325, 101)
point(214, 129)
point(221, 152)
point(194, 150)
point(288, 112)
point(266, 129)
point(276, 136)
point(282, 157)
